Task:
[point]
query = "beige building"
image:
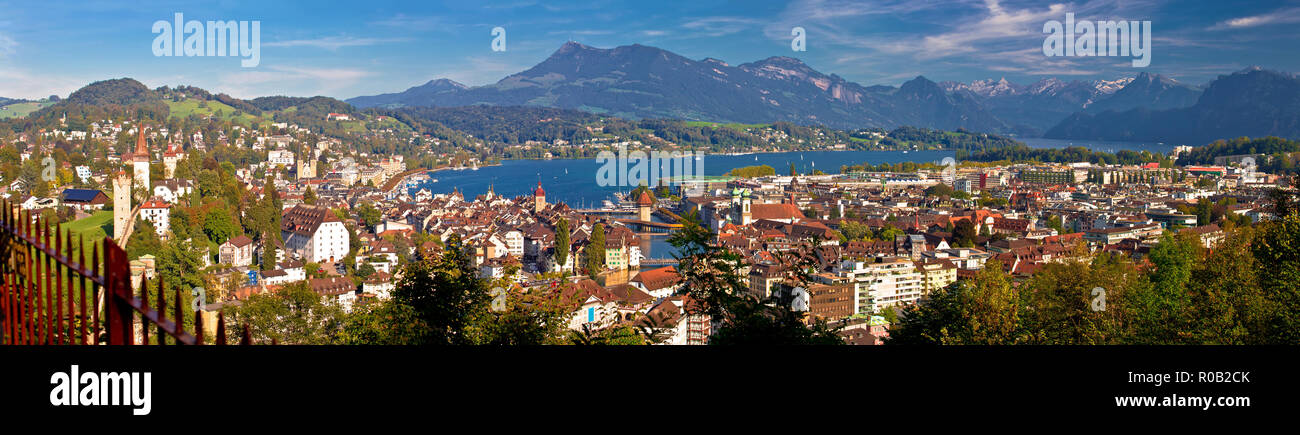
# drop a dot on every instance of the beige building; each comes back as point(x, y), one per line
point(935, 274)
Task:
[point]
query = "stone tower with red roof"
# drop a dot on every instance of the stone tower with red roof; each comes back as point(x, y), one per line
point(539, 198)
point(643, 206)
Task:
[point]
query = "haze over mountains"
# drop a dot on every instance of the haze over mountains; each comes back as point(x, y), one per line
point(639, 82)
point(645, 82)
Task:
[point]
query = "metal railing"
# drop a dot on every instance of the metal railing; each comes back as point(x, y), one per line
point(47, 297)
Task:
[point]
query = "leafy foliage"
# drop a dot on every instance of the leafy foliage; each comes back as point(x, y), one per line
point(712, 279)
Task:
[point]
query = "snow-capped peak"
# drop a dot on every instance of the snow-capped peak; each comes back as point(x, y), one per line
point(1111, 86)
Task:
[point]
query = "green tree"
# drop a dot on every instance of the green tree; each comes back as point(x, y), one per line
point(294, 314)
point(752, 171)
point(562, 243)
point(1204, 210)
point(309, 196)
point(368, 216)
point(1277, 262)
point(711, 278)
point(218, 225)
point(1054, 222)
point(985, 310)
point(268, 251)
point(595, 251)
point(1060, 305)
point(1227, 304)
point(940, 190)
point(144, 240)
point(445, 293)
point(383, 323)
point(621, 335)
point(888, 233)
point(520, 319)
point(964, 233)
point(854, 230)
point(1161, 307)
point(365, 270)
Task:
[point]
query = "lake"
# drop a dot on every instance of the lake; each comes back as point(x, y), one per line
point(573, 181)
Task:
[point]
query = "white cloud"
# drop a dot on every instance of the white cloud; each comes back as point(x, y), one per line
point(719, 26)
point(7, 45)
point(481, 70)
point(1000, 25)
point(334, 42)
point(417, 23)
point(1280, 16)
point(287, 80)
point(18, 83)
point(581, 32)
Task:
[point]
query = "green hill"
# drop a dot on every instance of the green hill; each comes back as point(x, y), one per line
point(21, 110)
point(223, 111)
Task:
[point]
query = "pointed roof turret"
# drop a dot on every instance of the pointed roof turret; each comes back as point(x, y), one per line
point(141, 152)
point(644, 199)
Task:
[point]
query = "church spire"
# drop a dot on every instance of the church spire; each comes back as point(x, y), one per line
point(140, 148)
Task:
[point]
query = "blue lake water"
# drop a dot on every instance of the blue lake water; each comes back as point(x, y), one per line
point(573, 181)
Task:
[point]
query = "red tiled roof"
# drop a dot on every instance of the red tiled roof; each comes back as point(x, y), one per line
point(658, 278)
point(305, 219)
point(644, 199)
point(775, 211)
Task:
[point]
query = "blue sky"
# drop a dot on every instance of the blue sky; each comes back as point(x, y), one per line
point(345, 49)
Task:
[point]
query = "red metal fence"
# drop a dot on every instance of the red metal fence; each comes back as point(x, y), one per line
point(47, 297)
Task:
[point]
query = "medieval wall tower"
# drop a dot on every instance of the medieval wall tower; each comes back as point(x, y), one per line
point(121, 205)
point(140, 162)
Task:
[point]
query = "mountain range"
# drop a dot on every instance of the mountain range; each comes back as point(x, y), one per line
point(641, 82)
point(1037, 107)
point(638, 81)
point(1254, 102)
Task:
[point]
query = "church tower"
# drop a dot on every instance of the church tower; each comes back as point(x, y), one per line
point(746, 214)
point(306, 169)
point(140, 161)
point(539, 198)
point(170, 159)
point(121, 204)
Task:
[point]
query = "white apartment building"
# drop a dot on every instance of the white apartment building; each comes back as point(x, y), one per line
point(514, 242)
point(280, 157)
point(157, 213)
point(882, 282)
point(314, 234)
